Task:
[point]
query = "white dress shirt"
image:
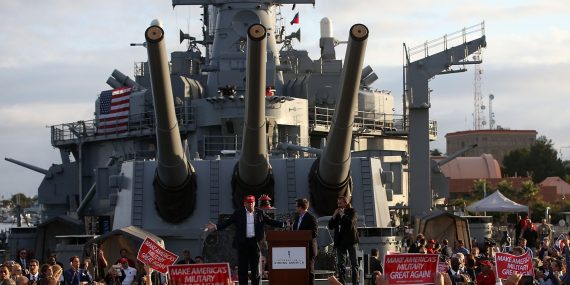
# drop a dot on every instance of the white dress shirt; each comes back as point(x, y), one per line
point(299, 222)
point(249, 229)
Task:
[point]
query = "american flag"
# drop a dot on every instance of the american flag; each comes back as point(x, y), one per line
point(114, 110)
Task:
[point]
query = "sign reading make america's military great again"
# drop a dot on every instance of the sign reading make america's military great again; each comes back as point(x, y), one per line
point(155, 256)
point(508, 264)
point(410, 268)
point(200, 274)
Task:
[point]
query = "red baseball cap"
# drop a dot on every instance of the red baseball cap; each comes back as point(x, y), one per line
point(124, 260)
point(249, 199)
point(487, 263)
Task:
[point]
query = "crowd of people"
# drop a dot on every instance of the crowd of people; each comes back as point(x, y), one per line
point(550, 256)
point(28, 271)
point(465, 265)
point(124, 271)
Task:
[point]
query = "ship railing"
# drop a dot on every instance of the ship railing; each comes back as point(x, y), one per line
point(220, 145)
point(138, 124)
point(230, 146)
point(373, 123)
point(440, 44)
point(320, 118)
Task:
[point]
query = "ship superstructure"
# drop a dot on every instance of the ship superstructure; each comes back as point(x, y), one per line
point(181, 143)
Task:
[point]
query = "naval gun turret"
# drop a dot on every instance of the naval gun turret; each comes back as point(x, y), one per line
point(222, 109)
point(253, 173)
point(330, 176)
point(175, 181)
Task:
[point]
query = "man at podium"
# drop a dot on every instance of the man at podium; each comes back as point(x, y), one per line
point(306, 221)
point(249, 223)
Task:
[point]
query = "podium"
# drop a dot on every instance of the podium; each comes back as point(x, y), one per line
point(289, 257)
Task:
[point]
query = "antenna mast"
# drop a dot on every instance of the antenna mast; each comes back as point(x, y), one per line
point(491, 114)
point(478, 106)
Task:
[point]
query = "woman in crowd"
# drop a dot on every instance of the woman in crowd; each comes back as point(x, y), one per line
point(5, 276)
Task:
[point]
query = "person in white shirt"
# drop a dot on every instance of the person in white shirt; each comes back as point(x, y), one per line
point(249, 223)
point(127, 271)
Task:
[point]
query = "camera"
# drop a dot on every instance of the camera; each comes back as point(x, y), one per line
point(490, 242)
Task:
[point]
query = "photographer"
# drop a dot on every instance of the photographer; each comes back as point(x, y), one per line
point(544, 249)
point(343, 222)
point(115, 276)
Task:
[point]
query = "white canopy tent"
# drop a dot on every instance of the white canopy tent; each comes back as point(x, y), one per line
point(496, 202)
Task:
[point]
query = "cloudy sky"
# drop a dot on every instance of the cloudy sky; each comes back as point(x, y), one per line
point(57, 54)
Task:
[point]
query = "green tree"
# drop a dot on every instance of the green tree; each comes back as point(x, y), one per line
point(506, 187)
point(537, 210)
point(540, 161)
point(480, 186)
point(529, 193)
point(22, 200)
point(515, 163)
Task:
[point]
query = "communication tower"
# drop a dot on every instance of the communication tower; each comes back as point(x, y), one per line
point(491, 114)
point(478, 106)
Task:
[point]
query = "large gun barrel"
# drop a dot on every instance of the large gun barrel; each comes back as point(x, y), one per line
point(175, 182)
point(253, 175)
point(330, 177)
point(26, 165)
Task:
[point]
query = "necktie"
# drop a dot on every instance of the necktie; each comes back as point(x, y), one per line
point(299, 222)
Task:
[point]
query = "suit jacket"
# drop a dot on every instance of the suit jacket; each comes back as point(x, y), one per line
point(345, 233)
point(375, 265)
point(456, 278)
point(70, 277)
point(309, 222)
point(19, 261)
point(38, 278)
point(238, 218)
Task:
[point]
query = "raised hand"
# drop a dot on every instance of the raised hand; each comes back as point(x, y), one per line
point(209, 226)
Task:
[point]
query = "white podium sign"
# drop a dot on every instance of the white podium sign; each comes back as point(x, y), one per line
point(288, 258)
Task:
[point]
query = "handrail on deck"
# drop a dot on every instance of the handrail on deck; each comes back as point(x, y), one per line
point(442, 43)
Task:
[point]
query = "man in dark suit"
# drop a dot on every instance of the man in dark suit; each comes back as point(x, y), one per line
point(34, 275)
point(249, 223)
point(456, 274)
point(306, 221)
point(375, 264)
point(75, 275)
point(23, 260)
point(187, 258)
point(343, 222)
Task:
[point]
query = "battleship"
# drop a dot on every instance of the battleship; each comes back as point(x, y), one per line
point(183, 142)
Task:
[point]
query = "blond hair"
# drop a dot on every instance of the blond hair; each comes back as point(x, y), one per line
point(56, 271)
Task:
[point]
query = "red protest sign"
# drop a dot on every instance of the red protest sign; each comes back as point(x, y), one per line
point(409, 268)
point(200, 274)
point(508, 264)
point(155, 256)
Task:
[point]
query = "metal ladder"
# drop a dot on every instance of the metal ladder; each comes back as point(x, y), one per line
point(138, 193)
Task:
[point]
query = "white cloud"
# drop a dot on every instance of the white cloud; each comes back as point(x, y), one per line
point(57, 55)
